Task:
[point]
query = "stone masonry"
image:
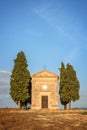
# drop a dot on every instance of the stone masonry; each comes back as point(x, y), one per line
point(44, 90)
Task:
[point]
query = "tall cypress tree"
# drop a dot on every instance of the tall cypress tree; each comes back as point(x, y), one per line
point(73, 84)
point(20, 80)
point(63, 90)
point(69, 85)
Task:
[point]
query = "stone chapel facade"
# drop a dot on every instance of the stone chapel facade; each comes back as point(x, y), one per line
point(44, 90)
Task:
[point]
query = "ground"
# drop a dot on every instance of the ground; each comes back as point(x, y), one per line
point(13, 119)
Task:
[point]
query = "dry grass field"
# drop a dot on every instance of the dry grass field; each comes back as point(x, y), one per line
point(13, 119)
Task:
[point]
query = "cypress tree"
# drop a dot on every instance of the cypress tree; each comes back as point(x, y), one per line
point(69, 85)
point(20, 80)
point(73, 84)
point(63, 90)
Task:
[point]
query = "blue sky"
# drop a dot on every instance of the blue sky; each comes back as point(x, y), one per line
point(49, 32)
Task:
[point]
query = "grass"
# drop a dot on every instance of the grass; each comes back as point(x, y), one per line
point(84, 113)
point(48, 120)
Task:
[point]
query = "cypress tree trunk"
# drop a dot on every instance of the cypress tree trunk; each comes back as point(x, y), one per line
point(70, 105)
point(65, 107)
point(19, 104)
point(25, 105)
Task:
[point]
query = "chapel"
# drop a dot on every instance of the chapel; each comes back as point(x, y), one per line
point(44, 90)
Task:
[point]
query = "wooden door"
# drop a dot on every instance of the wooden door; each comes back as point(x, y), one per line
point(44, 101)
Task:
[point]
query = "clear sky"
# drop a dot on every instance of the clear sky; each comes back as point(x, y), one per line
point(49, 32)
